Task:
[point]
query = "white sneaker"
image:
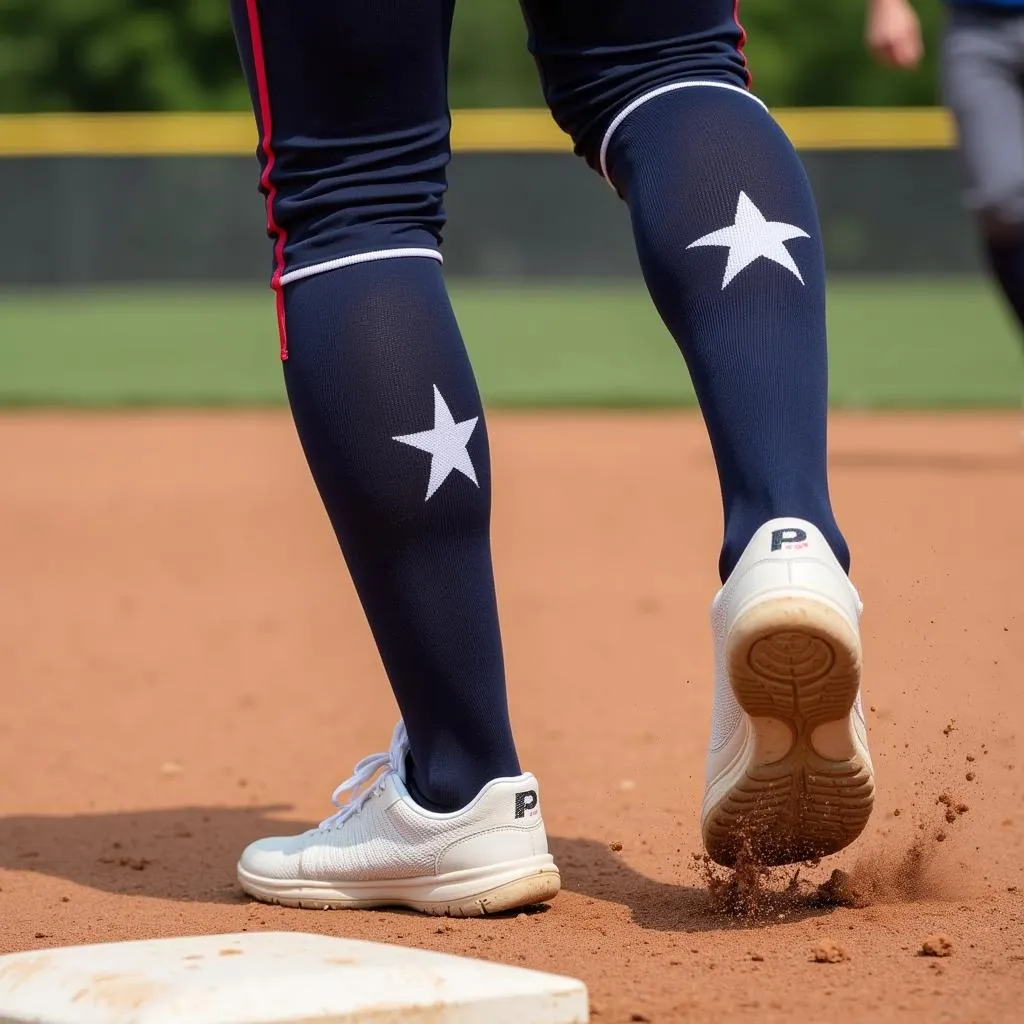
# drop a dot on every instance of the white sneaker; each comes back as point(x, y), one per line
point(381, 849)
point(789, 776)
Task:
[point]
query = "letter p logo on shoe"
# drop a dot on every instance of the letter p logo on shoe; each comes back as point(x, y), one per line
point(526, 801)
point(791, 535)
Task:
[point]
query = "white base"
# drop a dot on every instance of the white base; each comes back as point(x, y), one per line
point(276, 978)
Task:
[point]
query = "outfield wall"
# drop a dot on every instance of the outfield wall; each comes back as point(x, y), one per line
point(173, 198)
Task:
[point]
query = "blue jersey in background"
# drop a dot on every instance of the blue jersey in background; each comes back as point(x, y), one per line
point(1003, 5)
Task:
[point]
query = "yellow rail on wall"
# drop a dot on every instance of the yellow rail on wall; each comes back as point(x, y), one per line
point(473, 131)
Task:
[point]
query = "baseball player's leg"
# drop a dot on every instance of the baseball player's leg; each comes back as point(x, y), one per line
point(351, 104)
point(982, 72)
point(656, 98)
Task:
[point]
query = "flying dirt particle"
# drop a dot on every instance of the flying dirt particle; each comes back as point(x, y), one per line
point(1011, 888)
point(954, 808)
point(970, 757)
point(741, 892)
point(872, 707)
point(891, 875)
point(940, 837)
point(639, 1017)
point(828, 951)
point(969, 776)
point(950, 726)
point(896, 813)
point(42, 935)
point(615, 847)
point(757, 958)
point(839, 891)
point(937, 945)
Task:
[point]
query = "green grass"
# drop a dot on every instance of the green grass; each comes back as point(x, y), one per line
point(896, 344)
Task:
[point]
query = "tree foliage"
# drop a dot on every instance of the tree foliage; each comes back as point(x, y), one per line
point(101, 55)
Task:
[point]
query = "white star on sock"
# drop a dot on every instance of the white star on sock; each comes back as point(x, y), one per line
point(446, 444)
point(750, 237)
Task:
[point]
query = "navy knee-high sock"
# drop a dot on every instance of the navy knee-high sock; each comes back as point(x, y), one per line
point(390, 419)
point(728, 238)
point(1006, 258)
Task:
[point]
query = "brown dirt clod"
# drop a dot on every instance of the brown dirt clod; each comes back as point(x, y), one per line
point(839, 891)
point(937, 945)
point(828, 951)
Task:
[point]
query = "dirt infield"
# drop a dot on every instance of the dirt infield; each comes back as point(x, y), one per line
point(184, 667)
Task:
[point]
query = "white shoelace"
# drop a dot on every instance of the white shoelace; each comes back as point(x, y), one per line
point(349, 797)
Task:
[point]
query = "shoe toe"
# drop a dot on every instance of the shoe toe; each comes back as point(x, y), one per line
point(274, 857)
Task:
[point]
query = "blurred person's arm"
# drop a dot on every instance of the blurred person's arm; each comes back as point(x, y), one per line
point(893, 33)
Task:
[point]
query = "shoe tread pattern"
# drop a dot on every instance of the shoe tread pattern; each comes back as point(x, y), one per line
point(797, 662)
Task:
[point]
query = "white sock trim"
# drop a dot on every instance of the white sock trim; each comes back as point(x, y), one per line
point(660, 91)
point(361, 257)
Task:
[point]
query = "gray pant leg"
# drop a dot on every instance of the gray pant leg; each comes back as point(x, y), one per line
point(982, 64)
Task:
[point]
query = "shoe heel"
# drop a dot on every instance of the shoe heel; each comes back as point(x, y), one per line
point(520, 892)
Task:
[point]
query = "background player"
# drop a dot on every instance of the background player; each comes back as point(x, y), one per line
point(983, 85)
point(350, 100)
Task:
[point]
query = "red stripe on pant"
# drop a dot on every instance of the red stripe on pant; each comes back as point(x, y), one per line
point(743, 40)
point(269, 160)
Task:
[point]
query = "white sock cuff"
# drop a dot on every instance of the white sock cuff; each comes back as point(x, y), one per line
point(362, 257)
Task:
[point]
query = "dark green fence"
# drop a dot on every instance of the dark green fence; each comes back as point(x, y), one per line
point(83, 220)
